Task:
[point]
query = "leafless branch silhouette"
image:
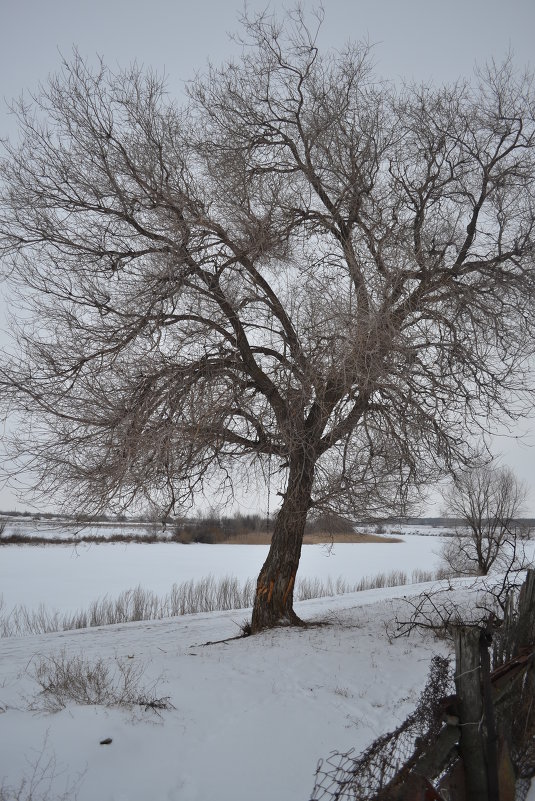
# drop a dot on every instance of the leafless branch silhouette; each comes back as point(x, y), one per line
point(303, 265)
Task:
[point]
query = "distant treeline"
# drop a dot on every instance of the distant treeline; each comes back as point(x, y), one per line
point(238, 522)
point(220, 529)
point(446, 522)
point(79, 518)
point(210, 529)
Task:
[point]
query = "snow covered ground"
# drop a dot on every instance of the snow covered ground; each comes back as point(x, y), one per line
point(252, 716)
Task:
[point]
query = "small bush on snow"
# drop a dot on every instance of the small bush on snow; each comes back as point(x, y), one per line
point(38, 783)
point(65, 679)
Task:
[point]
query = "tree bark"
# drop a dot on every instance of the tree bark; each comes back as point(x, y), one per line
point(275, 586)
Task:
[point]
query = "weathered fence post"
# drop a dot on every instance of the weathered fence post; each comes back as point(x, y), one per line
point(526, 614)
point(490, 732)
point(468, 685)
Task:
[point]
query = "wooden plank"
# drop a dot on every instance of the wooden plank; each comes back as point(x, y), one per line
point(468, 684)
point(437, 756)
point(526, 614)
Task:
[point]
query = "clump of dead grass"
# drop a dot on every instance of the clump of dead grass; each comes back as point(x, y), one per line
point(65, 679)
point(189, 597)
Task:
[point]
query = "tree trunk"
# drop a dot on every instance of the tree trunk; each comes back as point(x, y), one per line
point(275, 586)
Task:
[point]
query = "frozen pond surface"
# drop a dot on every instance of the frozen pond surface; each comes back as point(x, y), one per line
point(67, 578)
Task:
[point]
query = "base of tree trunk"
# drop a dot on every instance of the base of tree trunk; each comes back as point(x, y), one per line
point(261, 621)
point(273, 604)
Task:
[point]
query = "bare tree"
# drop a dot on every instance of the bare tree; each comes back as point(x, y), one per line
point(304, 271)
point(488, 501)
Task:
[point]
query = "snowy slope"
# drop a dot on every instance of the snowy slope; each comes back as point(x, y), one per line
point(252, 716)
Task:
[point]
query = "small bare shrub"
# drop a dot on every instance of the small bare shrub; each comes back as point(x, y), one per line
point(181, 534)
point(440, 611)
point(38, 784)
point(380, 529)
point(65, 679)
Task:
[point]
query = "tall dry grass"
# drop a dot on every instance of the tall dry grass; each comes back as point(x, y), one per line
point(206, 595)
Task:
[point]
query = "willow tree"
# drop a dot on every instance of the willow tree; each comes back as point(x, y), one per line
point(303, 269)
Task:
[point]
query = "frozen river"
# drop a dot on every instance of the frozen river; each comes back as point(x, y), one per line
point(67, 578)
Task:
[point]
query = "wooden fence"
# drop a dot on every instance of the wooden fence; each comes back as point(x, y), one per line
point(475, 745)
point(488, 737)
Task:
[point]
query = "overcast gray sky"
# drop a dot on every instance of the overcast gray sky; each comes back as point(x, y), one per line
point(423, 40)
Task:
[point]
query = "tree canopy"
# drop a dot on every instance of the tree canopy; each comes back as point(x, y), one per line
point(303, 266)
